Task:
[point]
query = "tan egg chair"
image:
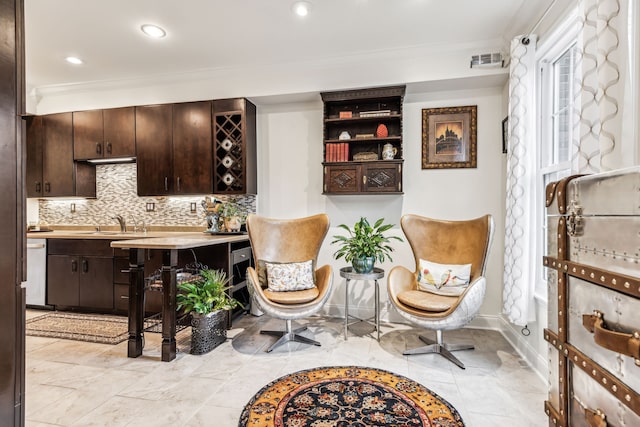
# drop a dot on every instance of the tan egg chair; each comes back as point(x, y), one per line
point(287, 241)
point(442, 242)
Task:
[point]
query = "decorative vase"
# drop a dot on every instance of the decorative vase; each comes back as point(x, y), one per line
point(389, 152)
point(382, 131)
point(232, 224)
point(213, 221)
point(363, 265)
point(208, 331)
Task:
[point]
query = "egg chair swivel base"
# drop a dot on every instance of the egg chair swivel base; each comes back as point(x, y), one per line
point(440, 347)
point(289, 335)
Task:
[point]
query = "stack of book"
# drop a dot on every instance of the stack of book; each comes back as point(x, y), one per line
point(336, 152)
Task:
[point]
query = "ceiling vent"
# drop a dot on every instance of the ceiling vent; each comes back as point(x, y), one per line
point(487, 60)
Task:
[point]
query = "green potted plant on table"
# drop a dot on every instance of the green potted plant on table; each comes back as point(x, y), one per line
point(365, 244)
point(208, 301)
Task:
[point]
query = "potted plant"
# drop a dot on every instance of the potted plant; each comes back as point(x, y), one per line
point(207, 300)
point(365, 244)
point(233, 214)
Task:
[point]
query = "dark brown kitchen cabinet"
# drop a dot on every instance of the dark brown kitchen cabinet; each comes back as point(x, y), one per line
point(234, 146)
point(80, 273)
point(362, 140)
point(51, 171)
point(104, 134)
point(173, 149)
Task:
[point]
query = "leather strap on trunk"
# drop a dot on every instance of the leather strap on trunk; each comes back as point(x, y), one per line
point(622, 343)
point(595, 418)
point(618, 282)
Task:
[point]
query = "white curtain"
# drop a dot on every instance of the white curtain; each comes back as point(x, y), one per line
point(519, 272)
point(603, 90)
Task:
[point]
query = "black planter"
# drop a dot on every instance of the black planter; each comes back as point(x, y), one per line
point(208, 331)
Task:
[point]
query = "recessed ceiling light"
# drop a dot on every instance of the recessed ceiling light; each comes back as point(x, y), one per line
point(153, 31)
point(301, 8)
point(73, 60)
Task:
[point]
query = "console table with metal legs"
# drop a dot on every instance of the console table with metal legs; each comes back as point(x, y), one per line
point(349, 274)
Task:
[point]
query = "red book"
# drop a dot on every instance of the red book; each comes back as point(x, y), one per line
point(346, 152)
point(327, 153)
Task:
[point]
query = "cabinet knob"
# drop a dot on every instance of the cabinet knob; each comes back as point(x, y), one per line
point(166, 183)
point(85, 266)
point(47, 187)
point(108, 147)
point(178, 183)
point(74, 266)
point(98, 148)
point(38, 187)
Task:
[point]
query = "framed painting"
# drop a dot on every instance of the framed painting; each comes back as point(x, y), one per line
point(449, 137)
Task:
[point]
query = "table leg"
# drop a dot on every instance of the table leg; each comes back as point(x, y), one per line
point(346, 308)
point(136, 302)
point(377, 310)
point(169, 264)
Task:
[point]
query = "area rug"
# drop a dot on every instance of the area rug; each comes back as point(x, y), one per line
point(347, 396)
point(97, 328)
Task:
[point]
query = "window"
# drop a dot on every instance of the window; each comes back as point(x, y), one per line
point(556, 66)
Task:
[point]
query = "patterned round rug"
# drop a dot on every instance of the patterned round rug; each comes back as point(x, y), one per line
point(347, 396)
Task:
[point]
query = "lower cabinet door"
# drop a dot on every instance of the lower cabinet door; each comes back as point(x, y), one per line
point(62, 280)
point(96, 282)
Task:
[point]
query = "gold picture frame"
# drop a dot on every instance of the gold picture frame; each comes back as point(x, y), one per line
point(449, 137)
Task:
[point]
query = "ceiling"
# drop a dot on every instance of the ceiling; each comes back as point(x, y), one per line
point(211, 35)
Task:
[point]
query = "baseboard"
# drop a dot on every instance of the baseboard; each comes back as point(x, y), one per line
point(538, 362)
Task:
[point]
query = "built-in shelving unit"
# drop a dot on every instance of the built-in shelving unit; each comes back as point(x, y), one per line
point(358, 126)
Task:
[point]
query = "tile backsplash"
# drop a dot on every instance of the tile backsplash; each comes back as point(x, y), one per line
point(116, 194)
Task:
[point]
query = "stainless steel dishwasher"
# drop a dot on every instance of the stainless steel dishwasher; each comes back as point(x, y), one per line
point(36, 285)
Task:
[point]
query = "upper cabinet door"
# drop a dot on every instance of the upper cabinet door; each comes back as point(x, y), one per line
point(192, 151)
point(88, 135)
point(153, 149)
point(57, 159)
point(35, 145)
point(119, 132)
point(99, 134)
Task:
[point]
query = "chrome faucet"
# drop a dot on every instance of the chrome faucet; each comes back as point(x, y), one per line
point(122, 222)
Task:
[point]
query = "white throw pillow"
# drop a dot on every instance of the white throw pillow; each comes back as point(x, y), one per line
point(443, 279)
point(293, 276)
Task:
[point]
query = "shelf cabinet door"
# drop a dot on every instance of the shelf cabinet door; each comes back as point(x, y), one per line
point(343, 179)
point(382, 177)
point(153, 149)
point(192, 152)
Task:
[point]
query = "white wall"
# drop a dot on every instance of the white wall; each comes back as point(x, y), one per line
point(290, 185)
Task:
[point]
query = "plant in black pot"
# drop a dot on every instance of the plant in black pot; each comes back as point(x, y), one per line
point(365, 244)
point(207, 300)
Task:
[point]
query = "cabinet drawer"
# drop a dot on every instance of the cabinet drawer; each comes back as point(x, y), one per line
point(81, 247)
point(241, 255)
point(121, 297)
point(121, 270)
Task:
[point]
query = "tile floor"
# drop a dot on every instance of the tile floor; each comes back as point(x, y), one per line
point(70, 383)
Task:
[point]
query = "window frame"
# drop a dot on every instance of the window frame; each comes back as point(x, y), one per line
point(560, 41)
